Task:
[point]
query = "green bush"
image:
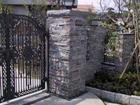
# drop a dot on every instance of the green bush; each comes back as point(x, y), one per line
point(128, 84)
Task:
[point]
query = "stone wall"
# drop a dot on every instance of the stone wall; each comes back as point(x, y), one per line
point(126, 43)
point(82, 45)
point(124, 49)
point(76, 52)
point(95, 50)
point(67, 53)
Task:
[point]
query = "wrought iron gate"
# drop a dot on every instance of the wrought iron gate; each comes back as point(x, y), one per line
point(22, 56)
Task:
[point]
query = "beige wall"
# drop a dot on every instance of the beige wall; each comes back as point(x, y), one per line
point(85, 8)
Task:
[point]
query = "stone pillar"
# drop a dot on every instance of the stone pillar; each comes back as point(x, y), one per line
point(67, 58)
point(126, 44)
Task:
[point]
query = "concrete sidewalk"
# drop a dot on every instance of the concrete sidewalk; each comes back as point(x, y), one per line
point(46, 99)
point(86, 99)
point(109, 103)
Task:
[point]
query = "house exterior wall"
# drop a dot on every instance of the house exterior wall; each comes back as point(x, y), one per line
point(85, 8)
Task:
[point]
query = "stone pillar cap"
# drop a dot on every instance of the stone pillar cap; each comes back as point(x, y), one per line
point(126, 33)
point(58, 13)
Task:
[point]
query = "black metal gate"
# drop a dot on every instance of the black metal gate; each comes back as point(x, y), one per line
point(22, 56)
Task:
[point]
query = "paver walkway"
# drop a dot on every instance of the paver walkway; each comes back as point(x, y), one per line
point(45, 99)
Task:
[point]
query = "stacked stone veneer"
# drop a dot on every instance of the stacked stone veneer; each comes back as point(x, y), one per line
point(126, 43)
point(95, 50)
point(76, 52)
point(67, 53)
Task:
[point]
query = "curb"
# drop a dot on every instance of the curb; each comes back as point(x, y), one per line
point(115, 97)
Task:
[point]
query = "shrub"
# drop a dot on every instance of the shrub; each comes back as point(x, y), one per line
point(126, 85)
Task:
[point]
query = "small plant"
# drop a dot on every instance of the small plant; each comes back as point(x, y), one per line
point(111, 44)
point(4, 8)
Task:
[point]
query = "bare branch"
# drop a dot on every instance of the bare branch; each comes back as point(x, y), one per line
point(129, 61)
